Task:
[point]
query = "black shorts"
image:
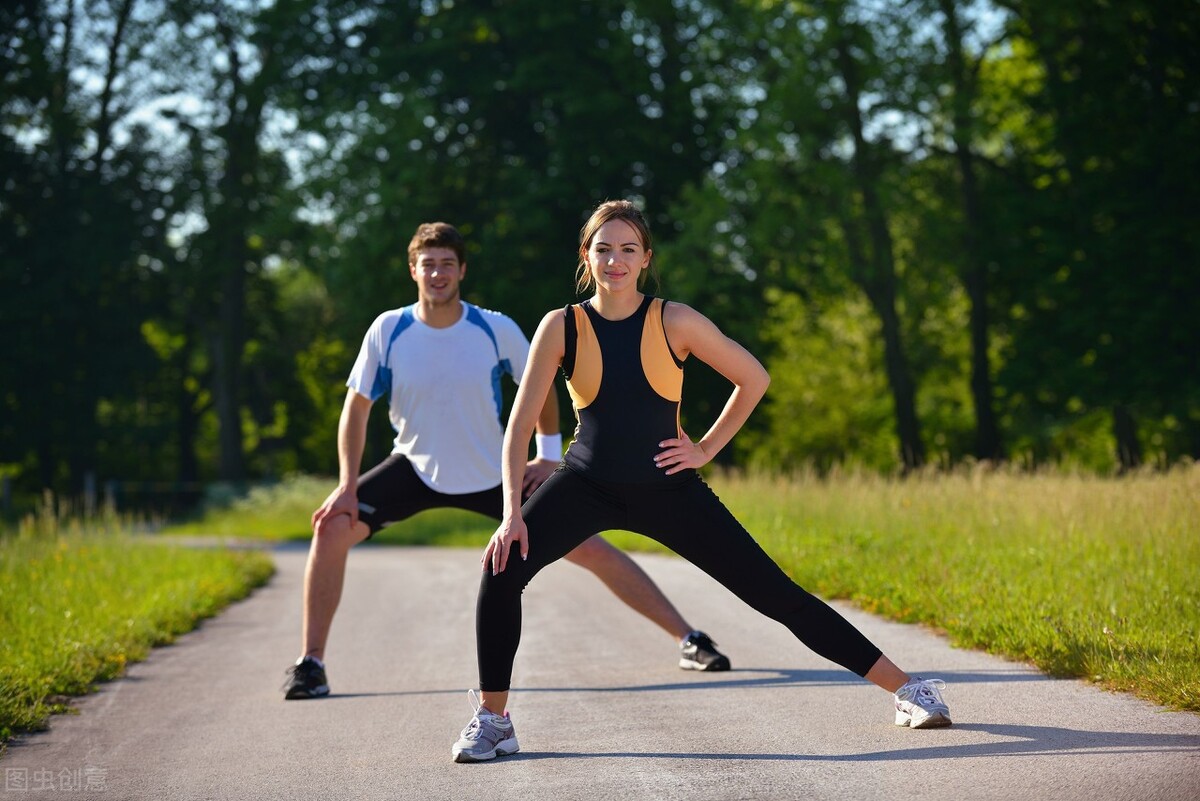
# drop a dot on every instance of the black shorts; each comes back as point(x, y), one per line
point(392, 491)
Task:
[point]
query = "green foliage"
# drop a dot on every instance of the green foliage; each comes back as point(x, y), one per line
point(828, 401)
point(608, 104)
point(280, 510)
point(77, 608)
point(205, 205)
point(1107, 309)
point(80, 234)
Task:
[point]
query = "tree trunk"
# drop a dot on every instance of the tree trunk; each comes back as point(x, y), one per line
point(238, 190)
point(230, 341)
point(105, 120)
point(876, 273)
point(187, 417)
point(975, 277)
point(45, 460)
point(908, 426)
point(1129, 449)
point(1191, 434)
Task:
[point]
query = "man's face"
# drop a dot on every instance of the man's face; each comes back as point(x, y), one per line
point(437, 272)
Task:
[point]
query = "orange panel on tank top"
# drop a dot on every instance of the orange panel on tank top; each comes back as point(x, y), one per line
point(584, 384)
point(658, 363)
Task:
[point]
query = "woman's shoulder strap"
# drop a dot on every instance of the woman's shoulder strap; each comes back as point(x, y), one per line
point(571, 332)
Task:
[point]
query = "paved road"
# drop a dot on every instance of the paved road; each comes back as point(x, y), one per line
point(601, 710)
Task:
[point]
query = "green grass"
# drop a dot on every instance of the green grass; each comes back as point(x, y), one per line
point(282, 511)
point(1079, 575)
point(271, 512)
point(81, 601)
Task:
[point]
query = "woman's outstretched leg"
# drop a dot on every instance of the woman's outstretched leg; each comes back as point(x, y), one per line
point(691, 521)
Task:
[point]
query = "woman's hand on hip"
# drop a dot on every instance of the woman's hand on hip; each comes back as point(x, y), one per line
point(680, 454)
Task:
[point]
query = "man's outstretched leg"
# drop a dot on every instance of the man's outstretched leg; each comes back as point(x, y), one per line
point(332, 540)
point(631, 584)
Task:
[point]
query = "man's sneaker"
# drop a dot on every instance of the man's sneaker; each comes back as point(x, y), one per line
point(698, 652)
point(920, 705)
point(306, 679)
point(486, 737)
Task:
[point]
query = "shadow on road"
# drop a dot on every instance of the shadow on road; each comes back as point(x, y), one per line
point(1016, 740)
point(741, 678)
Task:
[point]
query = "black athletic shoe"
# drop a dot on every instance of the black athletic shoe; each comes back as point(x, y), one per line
point(698, 652)
point(305, 680)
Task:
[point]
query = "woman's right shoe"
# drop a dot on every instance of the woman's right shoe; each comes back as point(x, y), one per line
point(487, 736)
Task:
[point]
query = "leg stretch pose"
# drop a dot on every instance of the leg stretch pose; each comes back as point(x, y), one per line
point(631, 466)
point(391, 493)
point(685, 516)
point(440, 361)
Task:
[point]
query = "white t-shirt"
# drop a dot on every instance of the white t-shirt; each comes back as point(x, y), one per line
point(444, 386)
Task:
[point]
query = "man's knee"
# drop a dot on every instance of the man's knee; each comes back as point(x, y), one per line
point(595, 551)
point(337, 534)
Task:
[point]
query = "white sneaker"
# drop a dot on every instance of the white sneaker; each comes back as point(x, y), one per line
point(486, 737)
point(919, 704)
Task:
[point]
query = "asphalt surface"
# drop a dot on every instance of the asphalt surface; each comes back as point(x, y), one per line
point(601, 709)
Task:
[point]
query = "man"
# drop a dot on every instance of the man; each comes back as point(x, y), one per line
point(440, 361)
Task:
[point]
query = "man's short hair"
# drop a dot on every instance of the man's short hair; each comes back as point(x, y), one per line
point(437, 235)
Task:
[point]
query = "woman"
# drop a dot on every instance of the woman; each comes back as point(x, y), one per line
point(632, 467)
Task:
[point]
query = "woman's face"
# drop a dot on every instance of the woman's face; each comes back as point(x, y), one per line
point(616, 257)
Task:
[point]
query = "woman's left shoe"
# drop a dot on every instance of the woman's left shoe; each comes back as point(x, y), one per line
point(919, 704)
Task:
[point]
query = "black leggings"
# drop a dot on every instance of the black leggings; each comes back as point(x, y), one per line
point(684, 515)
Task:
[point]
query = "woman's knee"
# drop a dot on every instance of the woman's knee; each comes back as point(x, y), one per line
point(497, 589)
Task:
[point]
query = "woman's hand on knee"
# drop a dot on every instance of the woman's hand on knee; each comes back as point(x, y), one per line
point(499, 547)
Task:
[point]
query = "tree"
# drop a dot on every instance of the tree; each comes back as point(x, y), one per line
point(234, 63)
point(450, 114)
point(1112, 303)
point(813, 178)
point(79, 230)
point(962, 71)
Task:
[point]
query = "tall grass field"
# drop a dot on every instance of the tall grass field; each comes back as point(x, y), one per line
point(77, 605)
point(1080, 575)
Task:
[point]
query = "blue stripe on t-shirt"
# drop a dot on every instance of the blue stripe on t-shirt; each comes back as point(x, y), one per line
point(383, 378)
point(502, 365)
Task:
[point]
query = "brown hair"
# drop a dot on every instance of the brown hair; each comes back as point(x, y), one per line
point(437, 235)
point(612, 210)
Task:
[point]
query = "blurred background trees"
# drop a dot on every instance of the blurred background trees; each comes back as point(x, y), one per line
point(952, 229)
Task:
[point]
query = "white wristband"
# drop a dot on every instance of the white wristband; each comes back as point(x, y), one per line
point(549, 446)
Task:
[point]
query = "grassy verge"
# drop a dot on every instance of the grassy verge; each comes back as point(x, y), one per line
point(1081, 576)
point(77, 607)
point(282, 512)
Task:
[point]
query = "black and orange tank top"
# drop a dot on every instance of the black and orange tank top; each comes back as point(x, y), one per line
point(625, 384)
